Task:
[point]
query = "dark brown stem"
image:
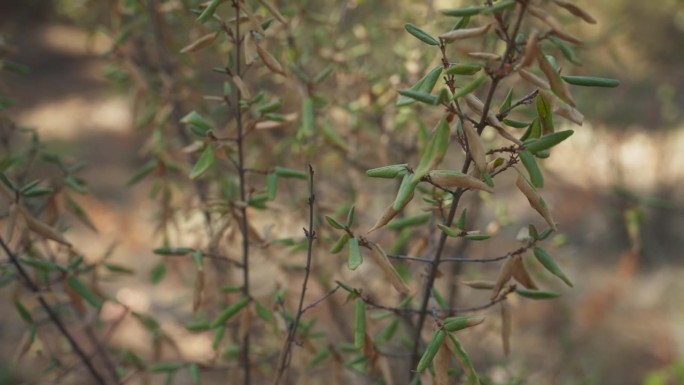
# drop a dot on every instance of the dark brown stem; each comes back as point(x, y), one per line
point(310, 234)
point(243, 196)
point(433, 267)
point(51, 313)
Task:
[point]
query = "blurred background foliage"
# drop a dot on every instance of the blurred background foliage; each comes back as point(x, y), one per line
point(625, 177)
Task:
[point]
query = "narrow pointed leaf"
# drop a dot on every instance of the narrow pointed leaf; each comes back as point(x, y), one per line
point(355, 257)
point(424, 85)
point(420, 34)
point(431, 350)
point(84, 291)
point(532, 168)
point(205, 161)
point(547, 261)
point(229, 312)
point(591, 81)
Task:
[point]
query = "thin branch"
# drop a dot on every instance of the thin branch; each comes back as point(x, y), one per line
point(316, 302)
point(433, 268)
point(51, 313)
point(310, 234)
point(243, 195)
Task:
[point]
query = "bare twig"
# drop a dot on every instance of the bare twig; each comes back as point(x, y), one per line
point(51, 313)
point(310, 234)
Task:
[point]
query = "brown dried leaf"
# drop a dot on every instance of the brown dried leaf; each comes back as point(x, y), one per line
point(480, 285)
point(494, 122)
point(200, 43)
point(534, 79)
point(250, 48)
point(505, 274)
point(568, 112)
point(475, 145)
point(270, 61)
point(42, 228)
point(451, 179)
point(254, 20)
point(558, 86)
point(506, 327)
point(465, 33)
point(274, 11)
point(484, 56)
point(380, 257)
point(198, 292)
point(536, 200)
point(556, 28)
point(576, 10)
point(245, 321)
point(242, 87)
point(387, 216)
point(441, 362)
point(385, 370)
point(531, 49)
point(519, 272)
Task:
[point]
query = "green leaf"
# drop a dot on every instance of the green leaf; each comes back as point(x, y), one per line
point(389, 172)
point(457, 323)
point(431, 350)
point(465, 361)
point(533, 130)
point(449, 231)
point(319, 357)
point(229, 312)
point(14, 67)
point(411, 221)
point(81, 214)
point(76, 184)
point(470, 87)
point(532, 168)
point(200, 126)
point(464, 68)
point(502, 5)
point(23, 312)
point(271, 185)
point(515, 123)
point(165, 367)
point(545, 113)
point(467, 11)
point(194, 373)
point(591, 81)
point(405, 192)
point(547, 141)
point(565, 49)
point(198, 326)
point(388, 332)
point(433, 152)
point(173, 250)
point(158, 273)
point(323, 74)
point(350, 217)
point(36, 192)
point(547, 261)
point(424, 85)
point(461, 221)
point(359, 323)
point(420, 34)
point(42, 264)
point(119, 269)
point(142, 172)
point(219, 332)
point(290, 173)
point(536, 294)
point(308, 118)
point(205, 161)
point(355, 257)
point(84, 291)
point(508, 100)
point(419, 96)
point(334, 223)
point(339, 245)
point(262, 312)
point(477, 237)
point(209, 11)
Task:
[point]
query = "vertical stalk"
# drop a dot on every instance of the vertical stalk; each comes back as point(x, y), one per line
point(310, 234)
point(243, 195)
point(54, 318)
